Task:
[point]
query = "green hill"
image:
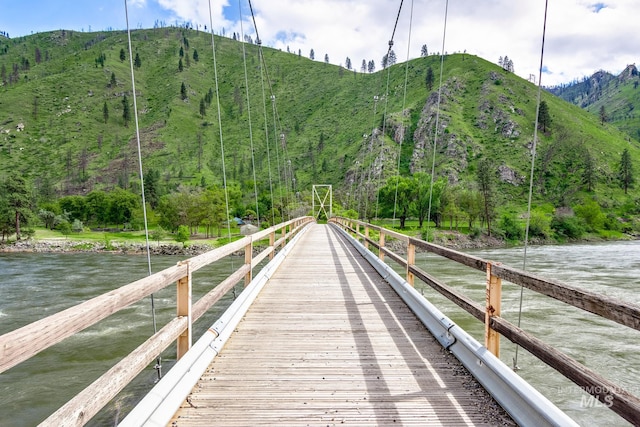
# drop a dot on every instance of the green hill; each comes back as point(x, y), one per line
point(615, 96)
point(56, 86)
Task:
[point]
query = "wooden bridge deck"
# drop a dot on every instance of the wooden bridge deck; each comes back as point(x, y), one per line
point(328, 342)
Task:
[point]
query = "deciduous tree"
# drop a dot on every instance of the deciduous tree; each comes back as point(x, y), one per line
point(398, 195)
point(485, 179)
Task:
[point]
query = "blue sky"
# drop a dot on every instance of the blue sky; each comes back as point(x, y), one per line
point(582, 36)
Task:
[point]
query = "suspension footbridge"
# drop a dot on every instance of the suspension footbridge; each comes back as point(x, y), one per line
point(326, 333)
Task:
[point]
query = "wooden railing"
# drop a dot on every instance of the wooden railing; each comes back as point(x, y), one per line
point(24, 343)
point(628, 314)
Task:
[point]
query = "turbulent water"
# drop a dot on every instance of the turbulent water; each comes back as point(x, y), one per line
point(37, 285)
point(611, 269)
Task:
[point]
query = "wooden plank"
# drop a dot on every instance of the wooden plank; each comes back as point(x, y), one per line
point(329, 342)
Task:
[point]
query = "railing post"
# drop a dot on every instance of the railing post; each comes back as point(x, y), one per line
point(381, 243)
point(183, 303)
point(411, 261)
point(357, 231)
point(248, 257)
point(272, 242)
point(366, 236)
point(494, 294)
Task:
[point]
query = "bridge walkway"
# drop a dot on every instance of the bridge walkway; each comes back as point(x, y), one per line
point(329, 342)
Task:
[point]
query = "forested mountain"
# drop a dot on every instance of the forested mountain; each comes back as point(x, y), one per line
point(613, 99)
point(67, 126)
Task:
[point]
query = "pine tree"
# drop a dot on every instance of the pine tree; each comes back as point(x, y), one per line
point(424, 51)
point(544, 119)
point(122, 55)
point(625, 171)
point(195, 55)
point(312, 55)
point(603, 115)
point(137, 62)
point(113, 82)
point(429, 78)
point(180, 66)
point(203, 108)
point(183, 91)
point(105, 112)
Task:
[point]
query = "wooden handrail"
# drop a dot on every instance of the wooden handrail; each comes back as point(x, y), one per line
point(23, 343)
point(625, 313)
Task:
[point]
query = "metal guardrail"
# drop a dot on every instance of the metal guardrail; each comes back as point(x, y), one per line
point(628, 314)
point(525, 404)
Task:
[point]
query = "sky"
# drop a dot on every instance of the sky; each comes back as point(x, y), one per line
point(582, 36)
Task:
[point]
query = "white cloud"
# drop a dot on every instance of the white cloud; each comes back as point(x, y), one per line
point(582, 36)
point(136, 3)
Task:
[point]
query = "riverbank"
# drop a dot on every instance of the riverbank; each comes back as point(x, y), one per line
point(71, 246)
point(450, 239)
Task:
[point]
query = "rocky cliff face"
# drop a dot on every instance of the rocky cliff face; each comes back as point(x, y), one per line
point(455, 150)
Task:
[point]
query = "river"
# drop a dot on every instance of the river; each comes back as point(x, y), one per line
point(611, 269)
point(37, 285)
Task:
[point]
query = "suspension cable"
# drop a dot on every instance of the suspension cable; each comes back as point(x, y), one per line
point(158, 366)
point(384, 121)
point(275, 146)
point(264, 109)
point(533, 161)
point(224, 170)
point(266, 132)
point(435, 133)
point(276, 125)
point(404, 101)
point(384, 114)
point(246, 84)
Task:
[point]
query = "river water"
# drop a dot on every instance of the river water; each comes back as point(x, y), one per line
point(37, 285)
point(611, 269)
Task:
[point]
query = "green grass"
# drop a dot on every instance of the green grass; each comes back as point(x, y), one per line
point(67, 148)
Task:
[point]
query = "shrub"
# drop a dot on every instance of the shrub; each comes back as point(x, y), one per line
point(540, 224)
point(567, 226)
point(182, 235)
point(510, 227)
point(592, 215)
